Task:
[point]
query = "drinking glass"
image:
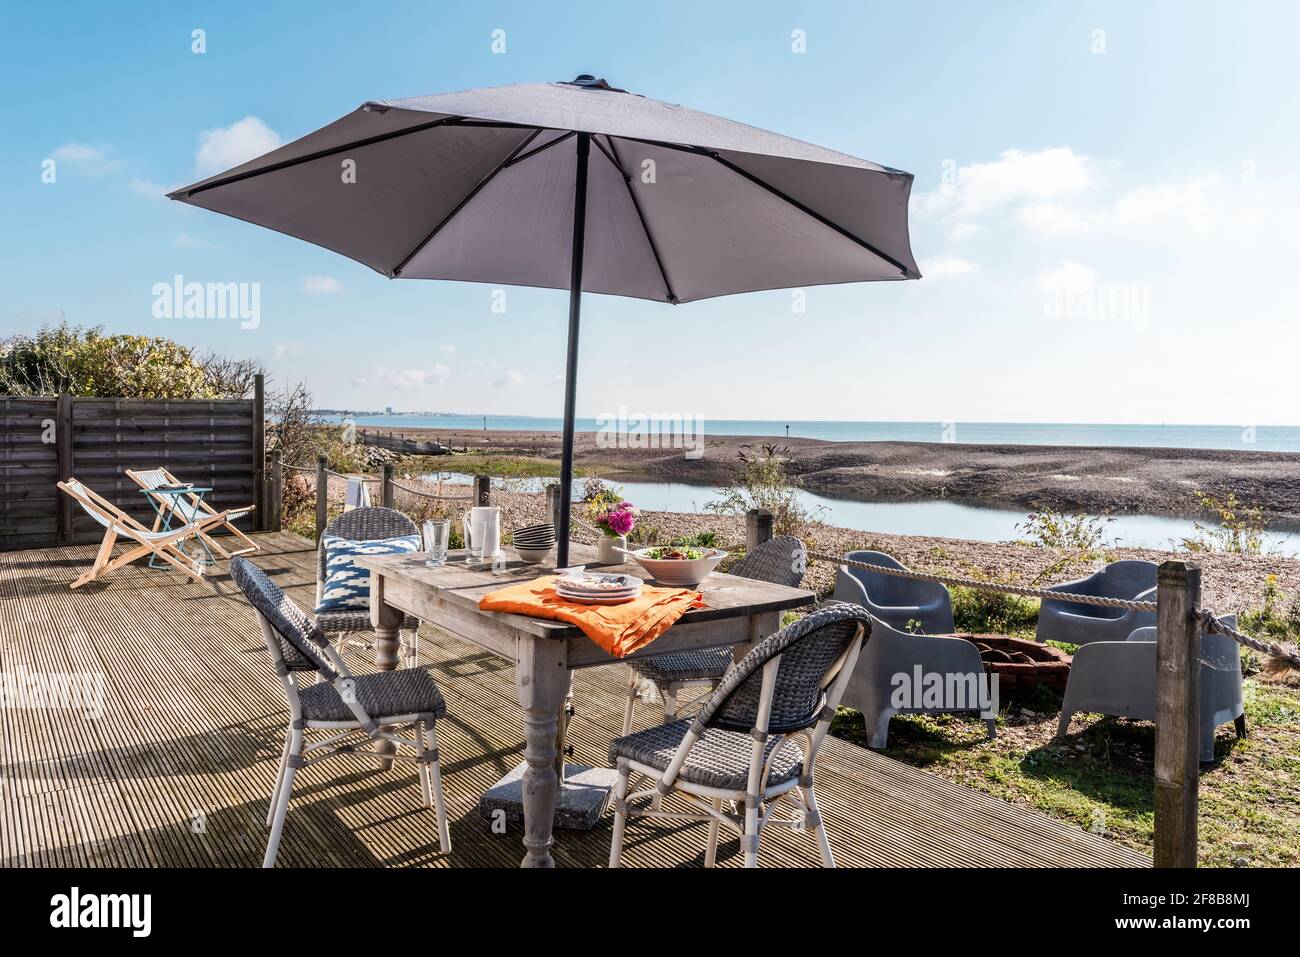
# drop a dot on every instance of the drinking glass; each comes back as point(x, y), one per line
point(437, 534)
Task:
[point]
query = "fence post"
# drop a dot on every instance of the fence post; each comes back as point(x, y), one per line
point(553, 505)
point(1178, 744)
point(260, 521)
point(482, 490)
point(386, 489)
point(63, 449)
point(758, 527)
point(322, 497)
point(274, 520)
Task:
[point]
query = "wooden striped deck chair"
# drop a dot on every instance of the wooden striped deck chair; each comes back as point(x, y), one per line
point(117, 524)
point(191, 509)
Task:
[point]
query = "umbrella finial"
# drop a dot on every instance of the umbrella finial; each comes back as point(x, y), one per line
point(589, 82)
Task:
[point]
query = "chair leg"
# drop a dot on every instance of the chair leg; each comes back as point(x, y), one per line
point(422, 768)
point(669, 693)
point(279, 781)
point(413, 649)
point(711, 855)
point(750, 839)
point(282, 800)
point(1240, 723)
point(633, 689)
point(435, 785)
point(828, 859)
point(620, 814)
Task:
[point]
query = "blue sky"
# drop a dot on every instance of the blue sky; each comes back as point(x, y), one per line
point(1106, 205)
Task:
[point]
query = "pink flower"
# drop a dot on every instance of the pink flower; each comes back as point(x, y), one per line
point(619, 520)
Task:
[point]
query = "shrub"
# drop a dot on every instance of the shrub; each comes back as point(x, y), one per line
point(765, 482)
point(1241, 528)
point(86, 362)
point(980, 612)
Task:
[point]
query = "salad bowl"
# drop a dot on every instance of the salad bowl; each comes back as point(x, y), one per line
point(678, 565)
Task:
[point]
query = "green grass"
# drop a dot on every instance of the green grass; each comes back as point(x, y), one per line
point(486, 463)
point(1100, 776)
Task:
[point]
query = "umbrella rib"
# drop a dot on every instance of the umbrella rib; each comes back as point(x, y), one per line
point(534, 152)
point(319, 154)
point(397, 270)
point(612, 155)
point(757, 181)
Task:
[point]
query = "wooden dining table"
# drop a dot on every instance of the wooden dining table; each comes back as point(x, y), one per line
point(737, 613)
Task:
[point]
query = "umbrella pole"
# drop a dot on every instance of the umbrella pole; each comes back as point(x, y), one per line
point(571, 364)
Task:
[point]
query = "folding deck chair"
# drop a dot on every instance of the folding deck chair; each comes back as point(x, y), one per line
point(190, 509)
point(118, 524)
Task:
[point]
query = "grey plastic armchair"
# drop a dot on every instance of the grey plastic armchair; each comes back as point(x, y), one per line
point(895, 601)
point(891, 653)
point(1081, 624)
point(1119, 678)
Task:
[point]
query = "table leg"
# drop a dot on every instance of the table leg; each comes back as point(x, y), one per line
point(760, 627)
point(387, 622)
point(542, 680)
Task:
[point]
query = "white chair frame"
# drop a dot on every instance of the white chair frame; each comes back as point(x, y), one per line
point(758, 799)
point(297, 752)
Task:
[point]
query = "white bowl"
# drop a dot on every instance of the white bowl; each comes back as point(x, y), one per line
point(533, 556)
point(678, 572)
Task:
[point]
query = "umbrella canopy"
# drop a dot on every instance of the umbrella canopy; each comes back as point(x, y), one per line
point(579, 186)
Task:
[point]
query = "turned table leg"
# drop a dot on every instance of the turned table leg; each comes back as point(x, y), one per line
point(387, 622)
point(542, 680)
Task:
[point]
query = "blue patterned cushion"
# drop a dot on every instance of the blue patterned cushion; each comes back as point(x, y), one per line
point(347, 587)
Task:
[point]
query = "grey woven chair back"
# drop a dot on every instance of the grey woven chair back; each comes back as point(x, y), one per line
point(365, 525)
point(809, 649)
point(779, 560)
point(299, 636)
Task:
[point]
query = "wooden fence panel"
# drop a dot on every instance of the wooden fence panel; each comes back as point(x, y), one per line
point(208, 442)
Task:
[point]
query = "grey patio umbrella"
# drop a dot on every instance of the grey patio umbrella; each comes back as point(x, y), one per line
point(502, 185)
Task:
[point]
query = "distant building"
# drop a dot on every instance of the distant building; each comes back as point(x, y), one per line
point(388, 410)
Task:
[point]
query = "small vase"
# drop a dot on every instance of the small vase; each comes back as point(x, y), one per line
point(605, 553)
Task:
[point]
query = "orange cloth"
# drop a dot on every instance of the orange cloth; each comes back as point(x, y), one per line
point(619, 629)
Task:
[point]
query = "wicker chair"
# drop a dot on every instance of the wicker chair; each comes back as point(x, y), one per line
point(368, 524)
point(739, 747)
point(340, 703)
point(776, 560)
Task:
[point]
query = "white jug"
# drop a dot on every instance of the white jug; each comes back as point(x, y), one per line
point(482, 526)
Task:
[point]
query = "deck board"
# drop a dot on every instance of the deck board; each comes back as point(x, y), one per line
point(178, 770)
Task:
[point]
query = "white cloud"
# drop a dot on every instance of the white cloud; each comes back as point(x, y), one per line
point(232, 145)
point(190, 241)
point(403, 379)
point(447, 349)
point(963, 230)
point(1015, 176)
point(1067, 279)
point(149, 189)
point(321, 285)
point(945, 267)
point(510, 378)
point(80, 153)
point(1189, 204)
point(284, 351)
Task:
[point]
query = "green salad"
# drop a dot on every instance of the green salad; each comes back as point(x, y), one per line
point(675, 554)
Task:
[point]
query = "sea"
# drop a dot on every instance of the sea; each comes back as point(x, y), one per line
point(1262, 438)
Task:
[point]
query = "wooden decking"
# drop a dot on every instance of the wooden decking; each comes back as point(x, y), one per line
point(178, 769)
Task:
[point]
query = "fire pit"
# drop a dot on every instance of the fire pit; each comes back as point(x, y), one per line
point(1021, 663)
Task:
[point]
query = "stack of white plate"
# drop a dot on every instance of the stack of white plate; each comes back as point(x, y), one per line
point(535, 542)
point(594, 589)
